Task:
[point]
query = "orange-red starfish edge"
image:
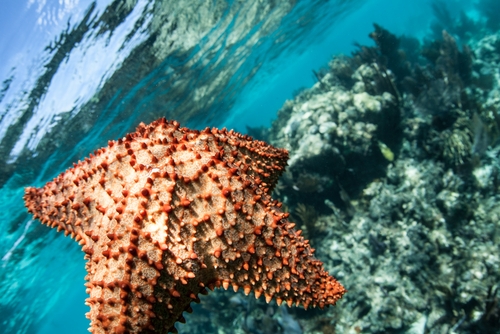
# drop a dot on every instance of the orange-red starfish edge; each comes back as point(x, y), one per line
point(166, 212)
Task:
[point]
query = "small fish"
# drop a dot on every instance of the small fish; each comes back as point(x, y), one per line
point(386, 151)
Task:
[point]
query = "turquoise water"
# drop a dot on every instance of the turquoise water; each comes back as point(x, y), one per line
point(78, 73)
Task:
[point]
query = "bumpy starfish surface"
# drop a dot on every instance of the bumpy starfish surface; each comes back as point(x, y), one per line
point(166, 212)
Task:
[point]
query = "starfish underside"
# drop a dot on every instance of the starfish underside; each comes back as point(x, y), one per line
point(166, 212)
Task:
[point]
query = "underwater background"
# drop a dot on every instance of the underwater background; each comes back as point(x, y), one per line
point(389, 109)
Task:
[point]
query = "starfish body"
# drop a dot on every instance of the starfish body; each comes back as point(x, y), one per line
point(167, 212)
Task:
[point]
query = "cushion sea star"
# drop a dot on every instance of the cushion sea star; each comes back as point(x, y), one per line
point(166, 212)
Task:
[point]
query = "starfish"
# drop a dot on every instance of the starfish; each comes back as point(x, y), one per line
point(167, 212)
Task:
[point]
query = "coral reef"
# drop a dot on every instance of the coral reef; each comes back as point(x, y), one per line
point(166, 212)
point(349, 118)
point(397, 155)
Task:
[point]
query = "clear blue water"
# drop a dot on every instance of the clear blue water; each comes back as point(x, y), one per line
point(71, 81)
